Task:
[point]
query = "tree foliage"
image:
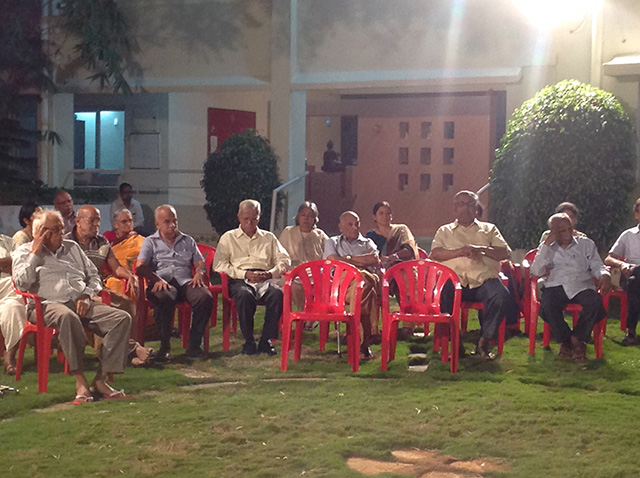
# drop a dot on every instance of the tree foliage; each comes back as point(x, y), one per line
point(244, 168)
point(570, 142)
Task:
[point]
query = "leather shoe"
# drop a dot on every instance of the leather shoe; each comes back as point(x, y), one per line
point(482, 350)
point(194, 353)
point(265, 347)
point(249, 348)
point(162, 355)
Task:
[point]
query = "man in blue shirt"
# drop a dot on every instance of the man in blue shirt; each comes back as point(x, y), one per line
point(572, 262)
point(166, 260)
point(352, 247)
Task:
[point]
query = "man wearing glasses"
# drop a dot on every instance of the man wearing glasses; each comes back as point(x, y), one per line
point(66, 280)
point(474, 249)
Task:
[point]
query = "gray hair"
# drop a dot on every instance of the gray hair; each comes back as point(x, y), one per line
point(249, 204)
point(464, 192)
point(41, 218)
point(164, 206)
point(558, 215)
point(120, 211)
point(351, 213)
point(308, 205)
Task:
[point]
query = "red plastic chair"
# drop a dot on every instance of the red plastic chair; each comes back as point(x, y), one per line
point(44, 335)
point(624, 305)
point(531, 297)
point(325, 284)
point(420, 286)
point(422, 254)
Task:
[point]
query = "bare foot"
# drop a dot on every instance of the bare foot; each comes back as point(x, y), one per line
point(143, 353)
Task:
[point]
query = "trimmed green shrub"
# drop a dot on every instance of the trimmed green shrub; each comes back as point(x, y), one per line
point(570, 142)
point(245, 168)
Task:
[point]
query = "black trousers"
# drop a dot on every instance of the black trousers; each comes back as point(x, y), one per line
point(246, 302)
point(164, 301)
point(495, 298)
point(632, 287)
point(553, 301)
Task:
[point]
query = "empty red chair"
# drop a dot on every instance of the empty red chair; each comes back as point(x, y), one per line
point(420, 284)
point(624, 305)
point(325, 284)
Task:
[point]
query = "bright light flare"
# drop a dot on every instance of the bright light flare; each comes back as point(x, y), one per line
point(547, 14)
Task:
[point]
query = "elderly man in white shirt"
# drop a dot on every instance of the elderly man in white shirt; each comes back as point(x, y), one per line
point(625, 255)
point(252, 257)
point(59, 272)
point(572, 262)
point(12, 312)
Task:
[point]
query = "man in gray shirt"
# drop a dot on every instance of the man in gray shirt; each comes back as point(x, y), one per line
point(572, 263)
point(355, 249)
point(59, 272)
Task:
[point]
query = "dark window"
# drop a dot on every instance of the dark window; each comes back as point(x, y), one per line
point(403, 156)
point(403, 181)
point(447, 156)
point(449, 129)
point(425, 130)
point(447, 182)
point(425, 182)
point(404, 129)
point(425, 155)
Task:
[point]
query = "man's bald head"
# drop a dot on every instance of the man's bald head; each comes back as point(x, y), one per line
point(349, 225)
point(561, 227)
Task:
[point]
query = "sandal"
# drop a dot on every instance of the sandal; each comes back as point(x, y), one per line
point(116, 395)
point(82, 399)
point(9, 369)
point(630, 341)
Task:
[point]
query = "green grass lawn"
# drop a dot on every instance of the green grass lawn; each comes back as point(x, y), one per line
point(543, 416)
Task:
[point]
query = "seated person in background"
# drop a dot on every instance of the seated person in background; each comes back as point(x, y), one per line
point(25, 216)
point(570, 210)
point(625, 255)
point(395, 243)
point(331, 160)
point(304, 242)
point(355, 249)
point(64, 204)
point(99, 251)
point(125, 200)
point(12, 311)
point(166, 261)
point(252, 257)
point(572, 262)
point(474, 249)
point(66, 280)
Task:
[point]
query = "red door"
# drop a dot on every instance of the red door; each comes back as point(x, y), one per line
point(223, 123)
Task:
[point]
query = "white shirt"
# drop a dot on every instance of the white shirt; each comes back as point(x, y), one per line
point(135, 208)
point(628, 246)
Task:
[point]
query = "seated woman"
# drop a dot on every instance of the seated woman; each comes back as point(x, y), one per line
point(126, 245)
point(395, 243)
point(25, 216)
point(304, 242)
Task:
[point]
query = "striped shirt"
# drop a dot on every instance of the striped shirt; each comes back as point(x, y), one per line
point(97, 250)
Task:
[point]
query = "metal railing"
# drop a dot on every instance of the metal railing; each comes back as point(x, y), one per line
point(274, 198)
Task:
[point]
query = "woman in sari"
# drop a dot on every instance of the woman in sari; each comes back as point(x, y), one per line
point(126, 245)
point(304, 242)
point(396, 244)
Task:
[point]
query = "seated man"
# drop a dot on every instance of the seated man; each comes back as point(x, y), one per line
point(625, 255)
point(570, 210)
point(12, 312)
point(166, 260)
point(66, 280)
point(474, 249)
point(572, 262)
point(99, 251)
point(64, 204)
point(252, 257)
point(355, 249)
point(125, 200)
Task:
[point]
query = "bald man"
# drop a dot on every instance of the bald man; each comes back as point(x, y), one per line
point(166, 260)
point(572, 263)
point(64, 205)
point(355, 249)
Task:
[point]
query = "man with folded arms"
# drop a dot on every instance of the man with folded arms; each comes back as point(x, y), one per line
point(59, 272)
point(252, 257)
point(572, 263)
point(166, 261)
point(474, 249)
point(359, 251)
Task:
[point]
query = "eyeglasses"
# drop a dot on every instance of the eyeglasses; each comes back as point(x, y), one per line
point(54, 230)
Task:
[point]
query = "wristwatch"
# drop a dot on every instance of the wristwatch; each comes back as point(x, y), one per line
point(347, 258)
